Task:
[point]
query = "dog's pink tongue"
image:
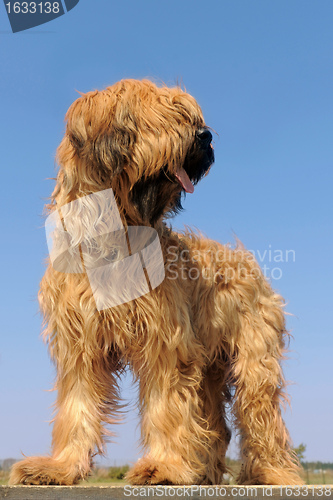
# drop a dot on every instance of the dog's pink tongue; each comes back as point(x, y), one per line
point(184, 180)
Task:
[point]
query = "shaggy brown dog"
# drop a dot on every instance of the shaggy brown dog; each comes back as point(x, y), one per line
point(211, 333)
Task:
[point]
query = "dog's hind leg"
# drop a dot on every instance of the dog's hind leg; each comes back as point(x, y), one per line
point(255, 341)
point(241, 319)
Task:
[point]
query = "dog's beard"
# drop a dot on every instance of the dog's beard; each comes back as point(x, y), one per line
point(161, 195)
point(156, 197)
point(198, 163)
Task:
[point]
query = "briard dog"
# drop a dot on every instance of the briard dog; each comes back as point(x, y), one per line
point(210, 332)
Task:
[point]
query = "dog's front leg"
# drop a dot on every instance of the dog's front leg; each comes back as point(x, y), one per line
point(174, 431)
point(86, 394)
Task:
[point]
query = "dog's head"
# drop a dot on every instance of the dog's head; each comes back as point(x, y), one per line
point(148, 143)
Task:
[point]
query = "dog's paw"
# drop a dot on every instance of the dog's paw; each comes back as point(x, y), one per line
point(43, 470)
point(271, 476)
point(150, 471)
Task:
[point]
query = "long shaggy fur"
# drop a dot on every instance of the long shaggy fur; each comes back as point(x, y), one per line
point(212, 333)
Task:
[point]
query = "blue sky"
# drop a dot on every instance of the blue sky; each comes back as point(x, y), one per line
point(263, 73)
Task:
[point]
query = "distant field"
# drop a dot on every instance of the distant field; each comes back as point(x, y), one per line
point(114, 475)
point(3, 477)
point(318, 477)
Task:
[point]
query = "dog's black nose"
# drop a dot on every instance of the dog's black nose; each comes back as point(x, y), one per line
point(205, 136)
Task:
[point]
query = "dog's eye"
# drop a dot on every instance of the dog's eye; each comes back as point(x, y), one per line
point(205, 136)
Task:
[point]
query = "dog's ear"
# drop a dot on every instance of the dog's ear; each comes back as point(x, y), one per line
point(76, 129)
point(94, 136)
